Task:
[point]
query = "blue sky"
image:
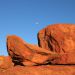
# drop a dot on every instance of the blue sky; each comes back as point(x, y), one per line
point(26, 17)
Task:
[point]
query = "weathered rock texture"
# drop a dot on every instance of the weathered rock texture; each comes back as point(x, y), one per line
point(59, 38)
point(56, 46)
point(23, 53)
point(40, 70)
point(5, 62)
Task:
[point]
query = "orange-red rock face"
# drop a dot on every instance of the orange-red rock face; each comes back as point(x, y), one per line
point(5, 62)
point(23, 53)
point(40, 70)
point(59, 38)
point(56, 46)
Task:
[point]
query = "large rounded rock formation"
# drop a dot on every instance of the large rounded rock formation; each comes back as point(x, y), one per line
point(59, 38)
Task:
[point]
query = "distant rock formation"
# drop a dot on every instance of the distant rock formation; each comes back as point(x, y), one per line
point(56, 46)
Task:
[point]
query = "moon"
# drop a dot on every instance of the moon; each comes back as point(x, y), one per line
point(37, 23)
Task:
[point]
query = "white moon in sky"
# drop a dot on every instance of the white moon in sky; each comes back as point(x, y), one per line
point(37, 23)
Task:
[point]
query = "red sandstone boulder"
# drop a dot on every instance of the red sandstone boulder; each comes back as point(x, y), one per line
point(59, 38)
point(23, 53)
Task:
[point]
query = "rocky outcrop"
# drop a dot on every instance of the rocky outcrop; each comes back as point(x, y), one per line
point(56, 46)
point(59, 38)
point(23, 53)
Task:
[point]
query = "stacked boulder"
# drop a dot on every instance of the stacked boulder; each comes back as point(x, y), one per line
point(56, 46)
